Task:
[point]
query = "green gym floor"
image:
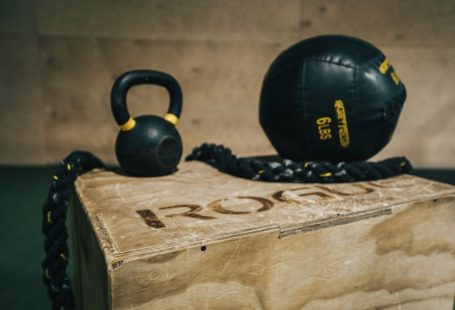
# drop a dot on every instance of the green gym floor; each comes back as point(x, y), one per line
point(22, 192)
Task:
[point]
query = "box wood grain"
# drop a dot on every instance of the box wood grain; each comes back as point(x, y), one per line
point(203, 239)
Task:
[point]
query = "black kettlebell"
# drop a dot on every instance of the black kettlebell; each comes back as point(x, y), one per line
point(147, 145)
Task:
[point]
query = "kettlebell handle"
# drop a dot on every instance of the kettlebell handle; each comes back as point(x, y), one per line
point(137, 77)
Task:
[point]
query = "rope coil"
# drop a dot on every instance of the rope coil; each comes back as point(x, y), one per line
point(55, 207)
point(54, 229)
point(287, 170)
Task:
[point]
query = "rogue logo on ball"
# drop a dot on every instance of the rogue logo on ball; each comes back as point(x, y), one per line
point(343, 131)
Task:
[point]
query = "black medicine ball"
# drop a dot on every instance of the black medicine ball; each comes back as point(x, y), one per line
point(333, 97)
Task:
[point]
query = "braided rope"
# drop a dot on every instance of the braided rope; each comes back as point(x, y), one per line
point(54, 228)
point(56, 204)
point(287, 170)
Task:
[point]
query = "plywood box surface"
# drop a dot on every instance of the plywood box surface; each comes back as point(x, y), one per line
point(200, 239)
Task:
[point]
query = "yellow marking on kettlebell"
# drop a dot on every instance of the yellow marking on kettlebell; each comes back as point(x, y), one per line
point(130, 123)
point(63, 256)
point(49, 217)
point(69, 167)
point(171, 118)
point(55, 177)
point(384, 66)
point(324, 175)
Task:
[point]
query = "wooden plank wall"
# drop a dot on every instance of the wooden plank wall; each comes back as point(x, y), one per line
point(58, 60)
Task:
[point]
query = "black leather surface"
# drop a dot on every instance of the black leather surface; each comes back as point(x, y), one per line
point(302, 85)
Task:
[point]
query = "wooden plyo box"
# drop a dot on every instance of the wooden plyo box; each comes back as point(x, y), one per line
point(200, 239)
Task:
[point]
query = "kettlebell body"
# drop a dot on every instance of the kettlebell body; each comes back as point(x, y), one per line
point(332, 97)
point(147, 145)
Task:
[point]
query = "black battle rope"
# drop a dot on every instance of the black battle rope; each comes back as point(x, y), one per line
point(56, 204)
point(287, 170)
point(54, 228)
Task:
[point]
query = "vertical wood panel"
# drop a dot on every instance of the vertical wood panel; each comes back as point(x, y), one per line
point(221, 84)
point(219, 51)
point(217, 20)
point(75, 89)
point(21, 111)
point(405, 22)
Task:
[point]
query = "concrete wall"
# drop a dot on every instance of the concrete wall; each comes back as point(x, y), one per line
point(58, 60)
